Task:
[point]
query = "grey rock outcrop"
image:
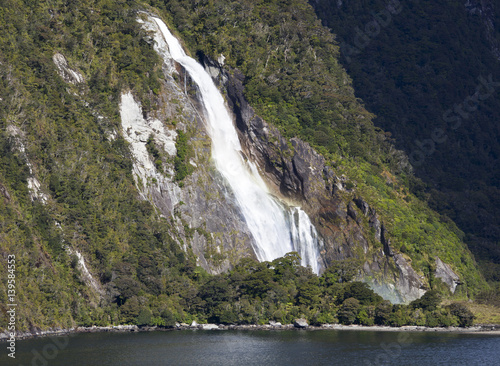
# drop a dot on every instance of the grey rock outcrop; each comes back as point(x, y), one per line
point(384, 238)
point(446, 274)
point(274, 324)
point(300, 323)
point(203, 211)
point(363, 206)
point(4, 192)
point(394, 279)
point(298, 174)
point(375, 224)
point(209, 326)
point(69, 75)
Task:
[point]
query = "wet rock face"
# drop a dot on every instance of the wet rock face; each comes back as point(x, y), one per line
point(292, 167)
point(362, 205)
point(204, 216)
point(300, 176)
point(296, 173)
point(394, 279)
point(386, 242)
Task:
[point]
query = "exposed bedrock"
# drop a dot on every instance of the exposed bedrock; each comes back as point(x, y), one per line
point(347, 224)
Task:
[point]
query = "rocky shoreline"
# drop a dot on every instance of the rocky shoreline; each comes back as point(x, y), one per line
point(298, 325)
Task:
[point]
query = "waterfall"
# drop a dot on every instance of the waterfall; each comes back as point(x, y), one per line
point(276, 228)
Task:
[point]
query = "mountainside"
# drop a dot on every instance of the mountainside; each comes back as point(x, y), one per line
point(114, 205)
point(430, 72)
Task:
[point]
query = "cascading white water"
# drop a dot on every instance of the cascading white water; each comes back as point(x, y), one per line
point(276, 228)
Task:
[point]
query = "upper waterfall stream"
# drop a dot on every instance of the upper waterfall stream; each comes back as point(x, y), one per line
point(276, 228)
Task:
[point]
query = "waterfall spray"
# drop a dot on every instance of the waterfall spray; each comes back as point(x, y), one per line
point(276, 228)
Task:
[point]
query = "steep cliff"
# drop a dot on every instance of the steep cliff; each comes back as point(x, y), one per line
point(112, 203)
point(300, 175)
point(204, 215)
point(205, 218)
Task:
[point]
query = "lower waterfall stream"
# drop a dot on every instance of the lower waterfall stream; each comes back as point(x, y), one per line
point(276, 227)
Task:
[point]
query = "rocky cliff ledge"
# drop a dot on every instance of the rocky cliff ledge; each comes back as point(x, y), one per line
point(205, 218)
point(298, 174)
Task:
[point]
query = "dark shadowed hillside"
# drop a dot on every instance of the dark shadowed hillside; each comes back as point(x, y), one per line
point(431, 73)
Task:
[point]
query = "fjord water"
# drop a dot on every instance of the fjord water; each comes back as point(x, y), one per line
point(290, 348)
point(276, 228)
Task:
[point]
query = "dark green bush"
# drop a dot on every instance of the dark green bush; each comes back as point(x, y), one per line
point(145, 317)
point(429, 301)
point(463, 313)
point(348, 311)
point(181, 160)
point(383, 313)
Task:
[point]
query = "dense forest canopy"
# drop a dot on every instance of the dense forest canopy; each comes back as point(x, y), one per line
point(59, 133)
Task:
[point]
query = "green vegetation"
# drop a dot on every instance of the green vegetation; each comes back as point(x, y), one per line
point(93, 205)
point(486, 307)
point(282, 290)
point(155, 153)
point(292, 79)
point(425, 61)
point(181, 161)
point(490, 296)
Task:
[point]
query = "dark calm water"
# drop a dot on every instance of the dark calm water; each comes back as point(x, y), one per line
point(321, 347)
